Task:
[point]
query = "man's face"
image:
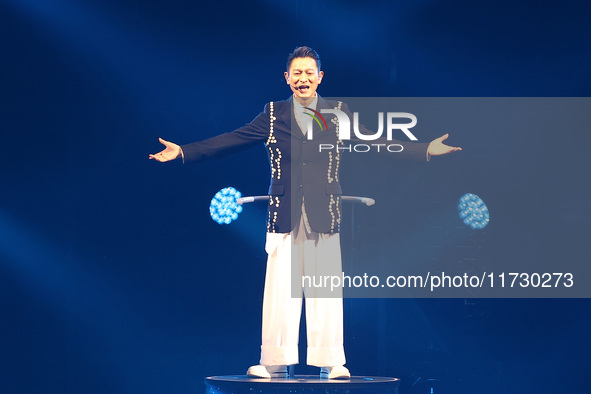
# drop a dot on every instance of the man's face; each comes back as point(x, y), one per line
point(303, 77)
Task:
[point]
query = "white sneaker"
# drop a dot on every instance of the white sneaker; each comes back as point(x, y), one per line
point(337, 372)
point(267, 372)
point(258, 371)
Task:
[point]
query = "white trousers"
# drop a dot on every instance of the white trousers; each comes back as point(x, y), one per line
point(292, 255)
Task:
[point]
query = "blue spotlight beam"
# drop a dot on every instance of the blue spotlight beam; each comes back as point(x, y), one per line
point(224, 208)
point(473, 211)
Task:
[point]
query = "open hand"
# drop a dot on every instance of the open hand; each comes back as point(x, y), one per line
point(171, 152)
point(437, 147)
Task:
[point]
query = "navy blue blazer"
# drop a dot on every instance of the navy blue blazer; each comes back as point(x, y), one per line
point(300, 171)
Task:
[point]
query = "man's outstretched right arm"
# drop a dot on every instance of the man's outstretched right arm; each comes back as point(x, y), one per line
point(219, 146)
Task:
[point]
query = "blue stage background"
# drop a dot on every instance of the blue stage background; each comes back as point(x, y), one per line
point(113, 278)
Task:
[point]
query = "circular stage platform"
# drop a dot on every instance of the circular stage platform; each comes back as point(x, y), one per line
point(239, 384)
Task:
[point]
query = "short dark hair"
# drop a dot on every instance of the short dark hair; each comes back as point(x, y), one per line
point(303, 52)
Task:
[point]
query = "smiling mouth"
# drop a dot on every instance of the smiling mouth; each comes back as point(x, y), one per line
point(302, 88)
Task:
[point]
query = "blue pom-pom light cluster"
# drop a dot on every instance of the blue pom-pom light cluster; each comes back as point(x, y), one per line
point(473, 211)
point(223, 208)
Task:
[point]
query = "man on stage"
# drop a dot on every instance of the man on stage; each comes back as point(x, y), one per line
point(304, 215)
